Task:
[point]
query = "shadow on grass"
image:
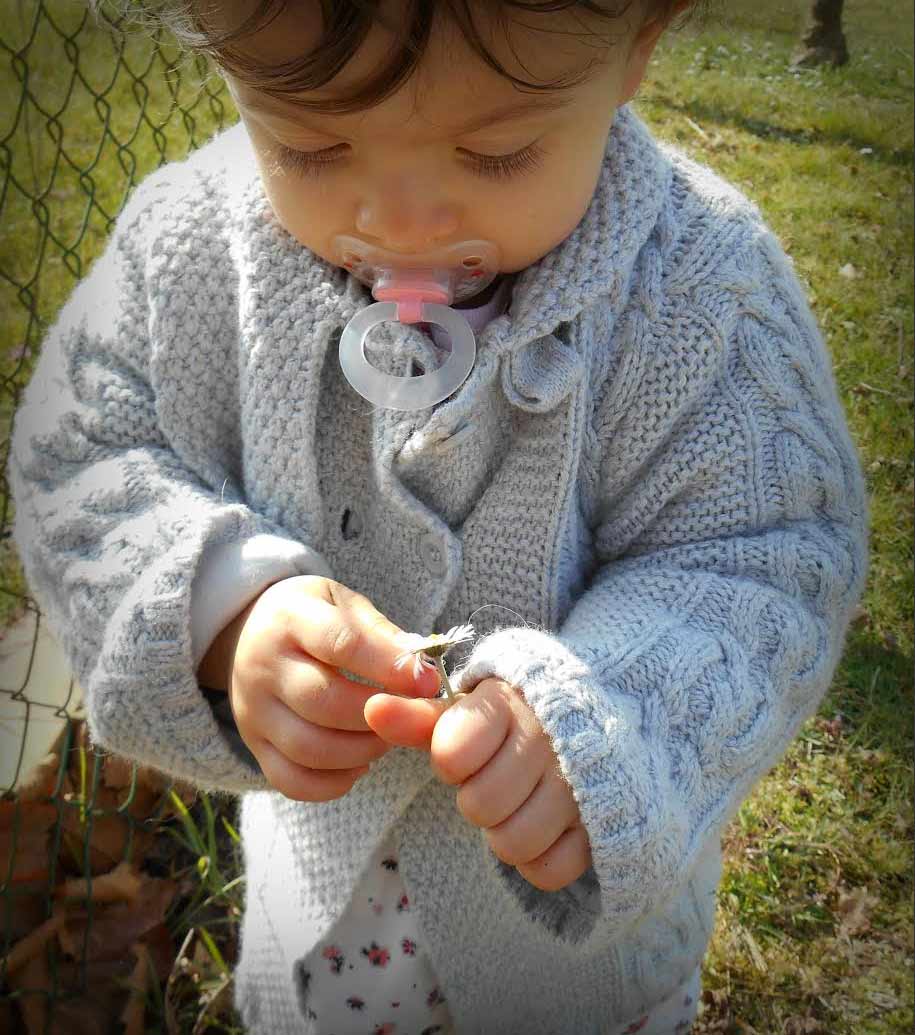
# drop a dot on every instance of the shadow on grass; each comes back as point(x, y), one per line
point(718, 114)
point(873, 690)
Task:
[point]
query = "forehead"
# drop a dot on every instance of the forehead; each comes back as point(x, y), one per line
point(451, 81)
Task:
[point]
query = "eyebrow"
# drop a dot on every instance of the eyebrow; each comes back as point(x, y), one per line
point(505, 113)
point(517, 110)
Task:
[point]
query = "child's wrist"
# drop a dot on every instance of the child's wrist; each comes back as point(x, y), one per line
point(215, 670)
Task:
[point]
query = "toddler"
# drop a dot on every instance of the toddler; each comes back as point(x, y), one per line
point(438, 327)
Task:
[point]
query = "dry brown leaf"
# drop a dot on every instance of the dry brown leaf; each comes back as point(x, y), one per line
point(146, 803)
point(114, 927)
point(32, 945)
point(24, 913)
point(117, 775)
point(161, 948)
point(33, 983)
point(41, 781)
point(160, 784)
point(108, 839)
point(25, 841)
point(93, 995)
point(151, 787)
point(134, 1013)
point(716, 1010)
point(122, 884)
point(109, 929)
point(117, 772)
point(88, 1014)
point(831, 727)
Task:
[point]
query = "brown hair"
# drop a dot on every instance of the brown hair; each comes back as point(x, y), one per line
point(346, 24)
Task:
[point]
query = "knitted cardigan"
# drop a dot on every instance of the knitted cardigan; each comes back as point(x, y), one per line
point(648, 465)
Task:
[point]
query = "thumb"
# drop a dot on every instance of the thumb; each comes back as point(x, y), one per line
point(404, 721)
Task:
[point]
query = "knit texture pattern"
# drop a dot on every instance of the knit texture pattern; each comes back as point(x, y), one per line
point(648, 465)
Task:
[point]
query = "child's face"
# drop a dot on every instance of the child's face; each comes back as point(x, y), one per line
point(404, 175)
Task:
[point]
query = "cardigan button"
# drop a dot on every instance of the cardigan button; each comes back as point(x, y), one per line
point(432, 553)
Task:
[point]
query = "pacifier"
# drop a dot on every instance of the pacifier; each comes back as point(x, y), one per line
point(413, 290)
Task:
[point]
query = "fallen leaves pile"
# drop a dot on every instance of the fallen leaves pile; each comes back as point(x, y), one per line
point(84, 941)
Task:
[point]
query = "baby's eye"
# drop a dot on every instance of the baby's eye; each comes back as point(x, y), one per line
point(306, 163)
point(494, 167)
point(503, 167)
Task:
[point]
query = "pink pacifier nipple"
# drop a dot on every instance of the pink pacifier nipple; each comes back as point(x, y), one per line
point(408, 289)
point(411, 290)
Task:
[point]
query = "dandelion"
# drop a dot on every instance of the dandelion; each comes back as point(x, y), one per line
point(434, 647)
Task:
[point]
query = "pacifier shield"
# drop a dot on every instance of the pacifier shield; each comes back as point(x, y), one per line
point(458, 271)
point(407, 393)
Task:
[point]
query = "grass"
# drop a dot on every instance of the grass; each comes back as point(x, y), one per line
point(814, 929)
point(84, 116)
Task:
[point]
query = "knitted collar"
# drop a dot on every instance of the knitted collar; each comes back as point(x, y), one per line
point(596, 259)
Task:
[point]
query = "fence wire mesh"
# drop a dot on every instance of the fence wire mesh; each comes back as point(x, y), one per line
point(87, 865)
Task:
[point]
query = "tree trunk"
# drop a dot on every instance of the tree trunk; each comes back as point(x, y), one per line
point(824, 42)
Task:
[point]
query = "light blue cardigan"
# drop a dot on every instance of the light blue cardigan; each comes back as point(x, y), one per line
point(648, 463)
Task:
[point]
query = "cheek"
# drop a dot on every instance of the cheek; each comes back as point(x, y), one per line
point(304, 208)
point(532, 221)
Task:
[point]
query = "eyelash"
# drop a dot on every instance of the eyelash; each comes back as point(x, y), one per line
point(492, 167)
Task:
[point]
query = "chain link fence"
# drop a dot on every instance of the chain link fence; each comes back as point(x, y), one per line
point(90, 848)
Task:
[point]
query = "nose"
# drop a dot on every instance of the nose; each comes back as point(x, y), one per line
point(403, 222)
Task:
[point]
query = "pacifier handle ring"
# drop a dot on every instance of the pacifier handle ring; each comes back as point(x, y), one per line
point(407, 393)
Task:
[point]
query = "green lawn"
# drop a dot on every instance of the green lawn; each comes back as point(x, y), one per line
point(815, 913)
point(814, 928)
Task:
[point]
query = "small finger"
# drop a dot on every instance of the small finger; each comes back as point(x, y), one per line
point(468, 734)
point(402, 721)
point(505, 783)
point(315, 747)
point(323, 695)
point(537, 824)
point(562, 863)
point(300, 783)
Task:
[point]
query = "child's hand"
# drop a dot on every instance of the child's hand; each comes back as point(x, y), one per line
point(299, 715)
point(492, 747)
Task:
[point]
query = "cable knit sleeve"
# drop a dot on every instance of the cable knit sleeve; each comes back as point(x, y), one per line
point(112, 526)
point(731, 537)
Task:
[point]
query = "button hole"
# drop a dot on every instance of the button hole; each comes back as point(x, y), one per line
point(349, 526)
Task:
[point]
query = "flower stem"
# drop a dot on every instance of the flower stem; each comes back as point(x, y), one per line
point(440, 665)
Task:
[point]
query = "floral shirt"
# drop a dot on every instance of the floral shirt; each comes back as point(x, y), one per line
point(370, 975)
